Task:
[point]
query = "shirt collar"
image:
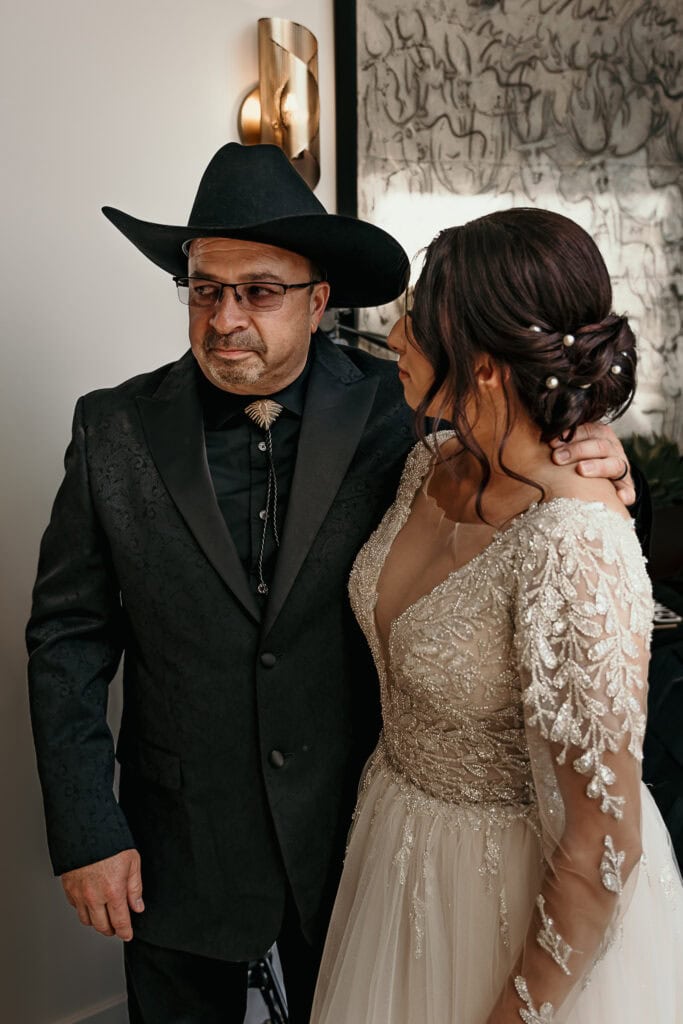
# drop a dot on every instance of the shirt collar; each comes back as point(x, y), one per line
point(221, 407)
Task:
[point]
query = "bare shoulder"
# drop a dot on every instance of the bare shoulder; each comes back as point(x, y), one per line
point(566, 483)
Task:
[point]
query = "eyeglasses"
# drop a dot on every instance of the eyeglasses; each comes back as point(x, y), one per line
point(253, 296)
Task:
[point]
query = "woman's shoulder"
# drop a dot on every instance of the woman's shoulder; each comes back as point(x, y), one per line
point(569, 532)
point(422, 455)
point(566, 483)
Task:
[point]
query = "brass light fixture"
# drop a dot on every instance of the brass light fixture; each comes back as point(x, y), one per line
point(284, 107)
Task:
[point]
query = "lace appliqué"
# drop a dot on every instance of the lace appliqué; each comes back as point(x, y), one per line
point(602, 777)
point(528, 1012)
point(550, 939)
point(668, 884)
point(610, 867)
point(489, 819)
point(453, 721)
point(579, 647)
point(503, 920)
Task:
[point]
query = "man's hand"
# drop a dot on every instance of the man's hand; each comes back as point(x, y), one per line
point(102, 893)
point(597, 451)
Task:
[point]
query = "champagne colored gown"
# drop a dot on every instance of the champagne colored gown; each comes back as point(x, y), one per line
point(499, 823)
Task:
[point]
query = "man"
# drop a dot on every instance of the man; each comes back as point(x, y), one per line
point(209, 535)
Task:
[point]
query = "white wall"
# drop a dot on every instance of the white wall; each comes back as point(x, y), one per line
point(118, 102)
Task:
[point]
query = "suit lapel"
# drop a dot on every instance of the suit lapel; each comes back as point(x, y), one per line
point(338, 403)
point(172, 421)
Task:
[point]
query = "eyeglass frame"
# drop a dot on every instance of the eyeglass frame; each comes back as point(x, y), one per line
point(222, 285)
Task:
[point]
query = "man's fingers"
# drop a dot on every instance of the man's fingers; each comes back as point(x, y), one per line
point(578, 451)
point(626, 493)
point(99, 919)
point(589, 431)
point(119, 918)
point(102, 891)
point(605, 468)
point(83, 915)
point(610, 469)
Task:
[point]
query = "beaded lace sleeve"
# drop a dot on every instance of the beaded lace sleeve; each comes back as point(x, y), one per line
point(582, 624)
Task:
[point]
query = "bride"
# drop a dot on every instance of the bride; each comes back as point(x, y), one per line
point(506, 862)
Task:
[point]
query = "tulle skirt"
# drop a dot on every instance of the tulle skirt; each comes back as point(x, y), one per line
point(434, 903)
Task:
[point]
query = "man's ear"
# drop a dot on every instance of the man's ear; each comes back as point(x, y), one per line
point(319, 297)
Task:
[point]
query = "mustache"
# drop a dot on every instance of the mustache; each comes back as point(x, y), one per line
point(239, 340)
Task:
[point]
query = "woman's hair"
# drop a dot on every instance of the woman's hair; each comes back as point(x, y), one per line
point(530, 289)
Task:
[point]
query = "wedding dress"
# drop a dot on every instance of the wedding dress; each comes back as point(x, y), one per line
point(499, 823)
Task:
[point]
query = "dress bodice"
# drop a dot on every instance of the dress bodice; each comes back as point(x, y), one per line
point(448, 665)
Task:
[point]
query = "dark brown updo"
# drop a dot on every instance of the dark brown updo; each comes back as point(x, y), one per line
point(529, 288)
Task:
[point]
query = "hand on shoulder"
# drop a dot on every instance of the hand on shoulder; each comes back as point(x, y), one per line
point(595, 452)
point(565, 482)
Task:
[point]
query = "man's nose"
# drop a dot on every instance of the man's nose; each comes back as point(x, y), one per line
point(228, 314)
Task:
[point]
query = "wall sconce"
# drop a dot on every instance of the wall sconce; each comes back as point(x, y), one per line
point(284, 108)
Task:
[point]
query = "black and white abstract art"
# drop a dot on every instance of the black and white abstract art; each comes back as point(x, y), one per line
point(575, 105)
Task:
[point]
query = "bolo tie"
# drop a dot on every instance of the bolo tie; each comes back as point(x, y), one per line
point(263, 413)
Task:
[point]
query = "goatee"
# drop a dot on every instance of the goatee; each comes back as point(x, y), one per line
point(227, 374)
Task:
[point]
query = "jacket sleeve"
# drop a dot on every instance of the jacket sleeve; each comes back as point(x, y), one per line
point(583, 622)
point(74, 639)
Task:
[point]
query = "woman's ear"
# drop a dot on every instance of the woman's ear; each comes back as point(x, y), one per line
point(490, 375)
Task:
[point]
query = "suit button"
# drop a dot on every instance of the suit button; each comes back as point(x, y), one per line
point(277, 758)
point(268, 659)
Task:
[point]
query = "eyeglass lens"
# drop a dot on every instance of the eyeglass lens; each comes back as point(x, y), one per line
point(253, 296)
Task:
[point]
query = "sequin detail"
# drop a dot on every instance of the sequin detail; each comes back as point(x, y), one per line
point(550, 939)
point(578, 647)
point(503, 920)
point(528, 1012)
point(667, 882)
point(610, 867)
point(453, 721)
point(489, 819)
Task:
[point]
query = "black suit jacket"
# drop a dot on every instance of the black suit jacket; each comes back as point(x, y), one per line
point(242, 736)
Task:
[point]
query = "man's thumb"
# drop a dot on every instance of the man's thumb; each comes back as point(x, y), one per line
point(135, 888)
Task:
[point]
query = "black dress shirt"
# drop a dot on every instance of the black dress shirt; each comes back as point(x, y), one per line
point(238, 463)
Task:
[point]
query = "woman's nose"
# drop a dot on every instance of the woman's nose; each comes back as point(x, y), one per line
point(396, 340)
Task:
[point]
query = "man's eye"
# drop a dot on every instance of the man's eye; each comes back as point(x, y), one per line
point(260, 291)
point(205, 291)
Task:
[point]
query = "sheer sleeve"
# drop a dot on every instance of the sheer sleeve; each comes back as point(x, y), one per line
point(582, 622)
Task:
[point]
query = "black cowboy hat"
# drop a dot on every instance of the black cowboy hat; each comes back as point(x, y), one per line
point(254, 193)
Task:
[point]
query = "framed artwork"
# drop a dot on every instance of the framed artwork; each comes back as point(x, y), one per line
point(451, 111)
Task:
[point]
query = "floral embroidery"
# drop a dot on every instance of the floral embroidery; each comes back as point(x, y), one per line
point(580, 652)
point(550, 939)
point(528, 1012)
point(610, 867)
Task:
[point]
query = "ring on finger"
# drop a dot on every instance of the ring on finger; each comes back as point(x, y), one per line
point(616, 479)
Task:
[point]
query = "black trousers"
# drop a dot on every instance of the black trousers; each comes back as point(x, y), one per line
point(167, 986)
